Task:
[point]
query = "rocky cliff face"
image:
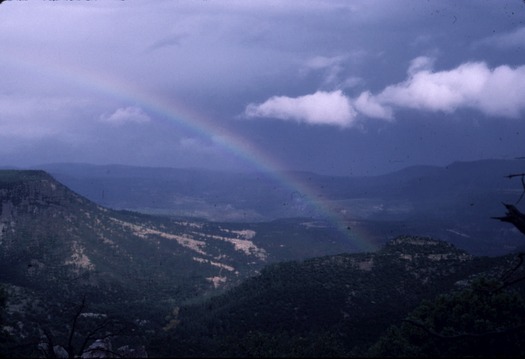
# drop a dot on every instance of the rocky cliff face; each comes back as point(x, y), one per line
point(48, 231)
point(57, 247)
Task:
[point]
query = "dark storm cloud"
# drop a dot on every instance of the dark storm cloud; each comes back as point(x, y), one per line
point(86, 76)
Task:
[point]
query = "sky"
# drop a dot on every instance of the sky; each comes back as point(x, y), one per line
point(336, 87)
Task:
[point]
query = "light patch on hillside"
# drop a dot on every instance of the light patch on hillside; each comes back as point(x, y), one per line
point(108, 241)
point(53, 186)
point(217, 281)
point(444, 256)
point(216, 264)
point(405, 256)
point(243, 233)
point(437, 256)
point(99, 230)
point(79, 258)
point(245, 246)
point(458, 233)
point(364, 265)
point(145, 232)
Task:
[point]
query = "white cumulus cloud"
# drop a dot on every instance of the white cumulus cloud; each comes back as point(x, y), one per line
point(125, 115)
point(420, 63)
point(496, 92)
point(326, 108)
point(368, 105)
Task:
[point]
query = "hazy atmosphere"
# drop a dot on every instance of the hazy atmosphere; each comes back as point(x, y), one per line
point(262, 178)
point(332, 87)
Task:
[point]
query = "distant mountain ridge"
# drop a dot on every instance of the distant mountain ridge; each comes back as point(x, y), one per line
point(45, 226)
point(58, 248)
point(453, 203)
point(39, 214)
point(259, 194)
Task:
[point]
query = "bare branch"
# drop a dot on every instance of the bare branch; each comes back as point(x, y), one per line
point(93, 333)
point(513, 216)
point(79, 311)
point(50, 351)
point(515, 175)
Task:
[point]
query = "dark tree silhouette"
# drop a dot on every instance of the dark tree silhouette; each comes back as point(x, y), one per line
point(513, 215)
point(485, 319)
point(77, 343)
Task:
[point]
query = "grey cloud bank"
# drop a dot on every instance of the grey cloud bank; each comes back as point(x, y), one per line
point(336, 87)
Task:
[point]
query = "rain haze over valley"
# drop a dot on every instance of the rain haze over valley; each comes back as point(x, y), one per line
point(256, 178)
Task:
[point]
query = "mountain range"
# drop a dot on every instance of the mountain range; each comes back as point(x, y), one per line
point(454, 203)
point(74, 270)
point(58, 247)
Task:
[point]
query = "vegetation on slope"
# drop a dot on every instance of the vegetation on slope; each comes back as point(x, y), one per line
point(324, 307)
point(76, 272)
point(481, 320)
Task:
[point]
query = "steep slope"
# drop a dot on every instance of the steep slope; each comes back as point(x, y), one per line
point(453, 203)
point(48, 231)
point(326, 306)
point(57, 247)
point(49, 234)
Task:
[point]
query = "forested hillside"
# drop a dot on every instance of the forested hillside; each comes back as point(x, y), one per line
point(77, 275)
point(60, 252)
point(452, 203)
point(328, 306)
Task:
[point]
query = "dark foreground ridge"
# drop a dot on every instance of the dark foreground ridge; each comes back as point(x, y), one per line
point(78, 276)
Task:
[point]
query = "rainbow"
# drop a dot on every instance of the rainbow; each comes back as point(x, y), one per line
point(178, 113)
